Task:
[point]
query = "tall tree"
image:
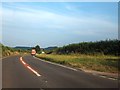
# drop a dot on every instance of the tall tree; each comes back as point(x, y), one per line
point(37, 48)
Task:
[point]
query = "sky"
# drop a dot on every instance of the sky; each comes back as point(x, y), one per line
point(57, 23)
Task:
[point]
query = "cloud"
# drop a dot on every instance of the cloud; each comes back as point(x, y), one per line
point(42, 23)
point(53, 20)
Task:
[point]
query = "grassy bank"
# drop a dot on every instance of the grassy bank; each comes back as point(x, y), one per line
point(8, 51)
point(97, 63)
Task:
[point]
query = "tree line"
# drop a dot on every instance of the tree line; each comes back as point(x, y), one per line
point(106, 47)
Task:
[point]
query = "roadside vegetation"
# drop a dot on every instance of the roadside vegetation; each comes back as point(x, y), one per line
point(107, 47)
point(99, 56)
point(86, 62)
point(8, 51)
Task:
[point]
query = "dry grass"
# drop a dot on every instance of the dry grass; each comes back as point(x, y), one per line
point(98, 62)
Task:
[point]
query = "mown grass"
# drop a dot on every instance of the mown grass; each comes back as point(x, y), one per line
point(99, 63)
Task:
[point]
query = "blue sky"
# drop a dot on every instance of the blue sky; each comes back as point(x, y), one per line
point(58, 24)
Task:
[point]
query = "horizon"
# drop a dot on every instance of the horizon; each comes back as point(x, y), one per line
point(60, 46)
point(58, 24)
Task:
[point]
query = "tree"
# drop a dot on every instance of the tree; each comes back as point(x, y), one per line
point(107, 47)
point(37, 48)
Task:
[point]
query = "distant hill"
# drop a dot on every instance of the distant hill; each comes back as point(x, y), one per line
point(26, 48)
point(22, 47)
point(50, 48)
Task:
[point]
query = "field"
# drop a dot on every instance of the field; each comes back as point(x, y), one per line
point(101, 63)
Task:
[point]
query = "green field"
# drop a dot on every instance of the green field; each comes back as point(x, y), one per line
point(101, 63)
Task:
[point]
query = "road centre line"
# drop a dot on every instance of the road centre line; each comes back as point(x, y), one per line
point(28, 66)
point(33, 71)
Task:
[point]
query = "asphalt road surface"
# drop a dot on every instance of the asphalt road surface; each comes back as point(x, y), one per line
point(17, 75)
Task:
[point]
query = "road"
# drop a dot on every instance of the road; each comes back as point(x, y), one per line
point(17, 75)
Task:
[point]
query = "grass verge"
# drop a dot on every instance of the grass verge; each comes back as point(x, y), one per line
point(97, 63)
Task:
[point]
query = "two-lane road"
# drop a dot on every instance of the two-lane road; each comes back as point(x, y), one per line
point(17, 75)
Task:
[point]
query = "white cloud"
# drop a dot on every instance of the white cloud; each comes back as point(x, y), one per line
point(38, 18)
point(28, 20)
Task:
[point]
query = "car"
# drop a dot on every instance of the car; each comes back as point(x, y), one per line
point(33, 52)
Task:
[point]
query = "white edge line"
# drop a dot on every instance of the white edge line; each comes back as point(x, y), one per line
point(67, 67)
point(57, 64)
point(112, 78)
point(108, 78)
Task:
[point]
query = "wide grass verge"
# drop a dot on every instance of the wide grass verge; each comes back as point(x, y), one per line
point(98, 63)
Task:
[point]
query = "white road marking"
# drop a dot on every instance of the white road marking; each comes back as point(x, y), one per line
point(108, 77)
point(23, 62)
point(103, 76)
point(20, 58)
point(46, 81)
point(57, 64)
point(113, 78)
point(94, 73)
point(35, 72)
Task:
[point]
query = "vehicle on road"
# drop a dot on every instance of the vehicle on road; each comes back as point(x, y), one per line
point(33, 52)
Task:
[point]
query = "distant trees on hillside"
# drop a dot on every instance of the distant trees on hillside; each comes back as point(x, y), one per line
point(107, 47)
point(50, 50)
